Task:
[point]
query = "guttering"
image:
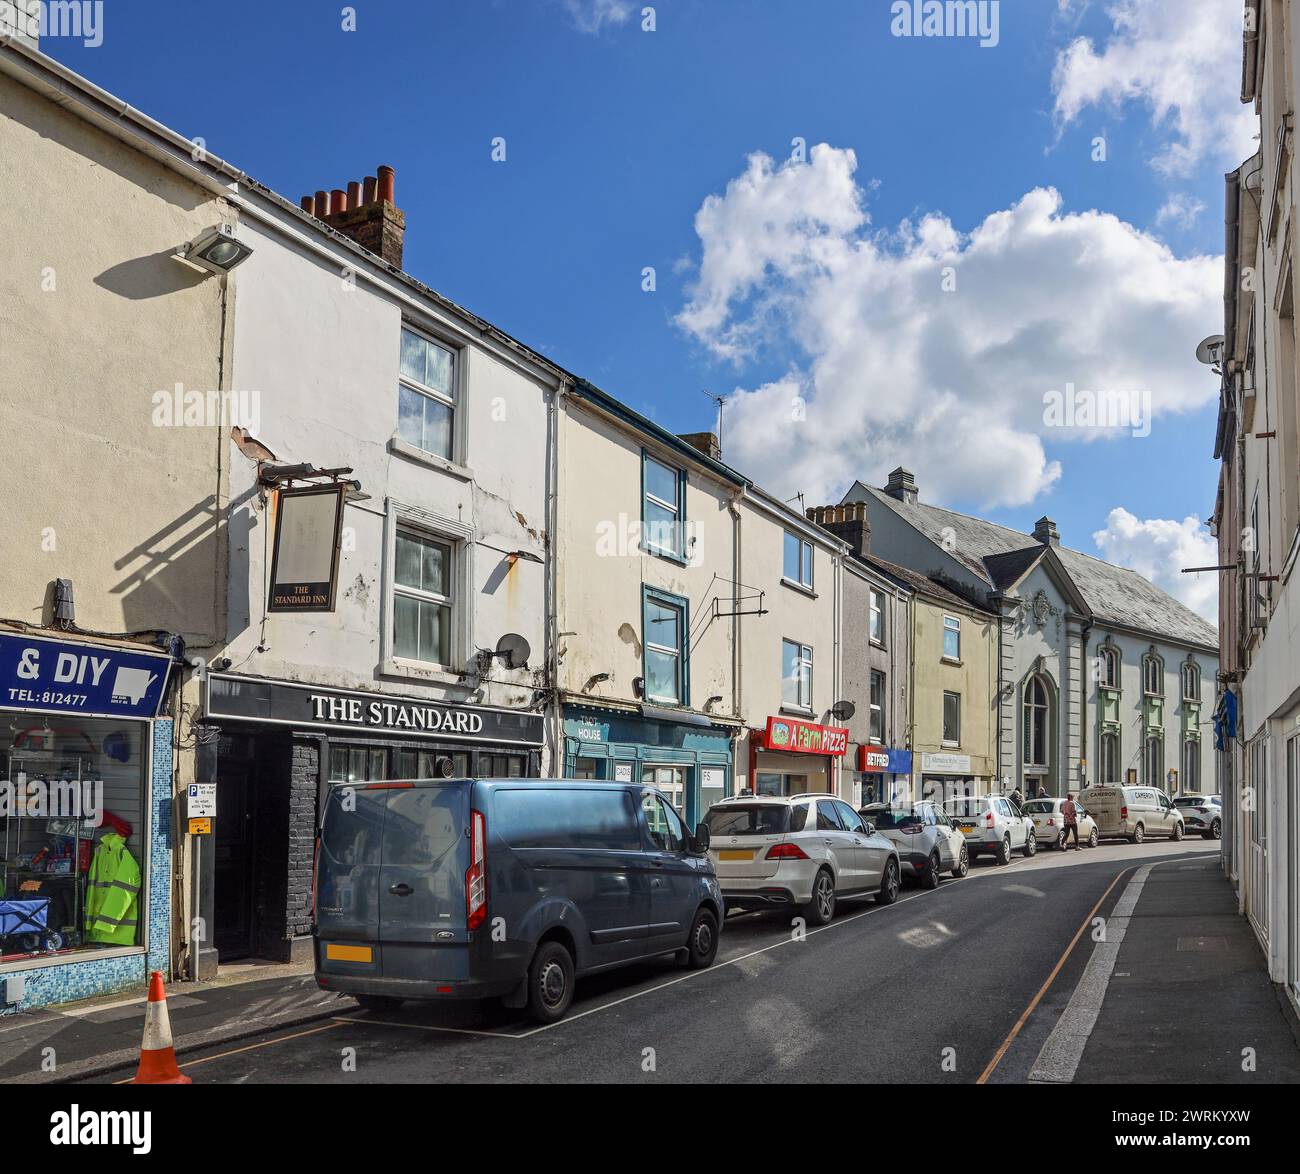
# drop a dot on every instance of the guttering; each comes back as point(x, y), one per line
point(1250, 52)
point(779, 511)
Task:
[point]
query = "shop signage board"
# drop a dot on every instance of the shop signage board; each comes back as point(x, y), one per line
point(305, 559)
point(946, 764)
point(63, 676)
point(338, 710)
point(884, 760)
point(799, 737)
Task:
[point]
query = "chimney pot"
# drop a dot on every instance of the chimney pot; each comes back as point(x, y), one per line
point(338, 201)
point(387, 183)
point(354, 195)
point(369, 188)
point(848, 522)
point(322, 208)
point(307, 203)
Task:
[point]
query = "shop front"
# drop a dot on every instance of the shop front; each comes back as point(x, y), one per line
point(85, 819)
point(685, 755)
point(792, 757)
point(273, 747)
point(947, 776)
point(884, 775)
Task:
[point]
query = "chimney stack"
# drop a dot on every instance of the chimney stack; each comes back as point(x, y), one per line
point(902, 485)
point(706, 442)
point(367, 212)
point(1045, 531)
point(848, 522)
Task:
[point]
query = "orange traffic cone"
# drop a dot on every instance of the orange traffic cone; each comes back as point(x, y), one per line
point(157, 1056)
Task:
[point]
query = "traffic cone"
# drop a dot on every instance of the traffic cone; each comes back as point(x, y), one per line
point(157, 1056)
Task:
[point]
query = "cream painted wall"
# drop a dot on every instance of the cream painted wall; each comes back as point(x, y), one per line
point(95, 318)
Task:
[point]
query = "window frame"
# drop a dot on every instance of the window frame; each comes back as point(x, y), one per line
point(1149, 767)
point(1041, 711)
point(805, 547)
point(876, 617)
point(951, 624)
point(677, 553)
point(667, 599)
point(451, 400)
point(420, 595)
point(1190, 781)
point(803, 658)
point(1191, 671)
point(1153, 661)
point(1110, 671)
point(1103, 736)
point(944, 739)
point(876, 708)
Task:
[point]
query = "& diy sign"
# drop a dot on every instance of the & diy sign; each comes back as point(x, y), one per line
point(59, 676)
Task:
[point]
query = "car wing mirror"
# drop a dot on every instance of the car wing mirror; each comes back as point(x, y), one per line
point(702, 838)
point(868, 828)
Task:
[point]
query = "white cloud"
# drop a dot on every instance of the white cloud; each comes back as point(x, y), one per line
point(1180, 58)
point(1179, 210)
point(883, 367)
point(591, 16)
point(1158, 549)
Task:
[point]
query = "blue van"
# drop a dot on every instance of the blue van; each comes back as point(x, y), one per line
point(510, 888)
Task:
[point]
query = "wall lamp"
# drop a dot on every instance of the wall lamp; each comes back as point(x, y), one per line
point(216, 249)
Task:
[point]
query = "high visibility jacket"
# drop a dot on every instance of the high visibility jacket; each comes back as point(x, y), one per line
point(112, 893)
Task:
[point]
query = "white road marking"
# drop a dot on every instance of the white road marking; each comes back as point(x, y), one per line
point(1059, 1058)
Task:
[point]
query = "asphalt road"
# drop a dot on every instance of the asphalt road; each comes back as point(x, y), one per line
point(926, 990)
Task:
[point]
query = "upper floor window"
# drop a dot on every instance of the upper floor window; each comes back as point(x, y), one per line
point(796, 674)
point(665, 648)
point(1108, 769)
point(422, 598)
point(1109, 658)
point(1153, 676)
point(426, 395)
point(1153, 761)
point(798, 563)
point(1191, 765)
point(663, 508)
point(1191, 681)
point(1036, 722)
point(877, 617)
point(951, 638)
point(877, 733)
point(952, 719)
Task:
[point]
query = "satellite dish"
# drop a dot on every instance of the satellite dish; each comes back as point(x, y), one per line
point(514, 650)
point(843, 711)
point(1210, 350)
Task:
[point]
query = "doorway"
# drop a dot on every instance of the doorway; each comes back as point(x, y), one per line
point(234, 862)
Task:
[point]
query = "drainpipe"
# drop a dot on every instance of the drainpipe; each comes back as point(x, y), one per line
point(555, 715)
point(737, 657)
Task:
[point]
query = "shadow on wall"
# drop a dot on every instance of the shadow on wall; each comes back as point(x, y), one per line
point(154, 276)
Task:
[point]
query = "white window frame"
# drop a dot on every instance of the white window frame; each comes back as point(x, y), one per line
point(805, 561)
point(460, 537)
point(943, 718)
point(1110, 660)
point(876, 708)
point(1112, 775)
point(876, 616)
point(1152, 662)
point(951, 624)
point(1191, 672)
point(1030, 713)
point(804, 663)
point(677, 552)
point(454, 401)
point(1191, 764)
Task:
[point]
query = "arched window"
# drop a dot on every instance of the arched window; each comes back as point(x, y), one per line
point(1191, 780)
point(1191, 681)
point(1153, 761)
point(1109, 667)
point(1036, 722)
point(1153, 676)
point(1108, 765)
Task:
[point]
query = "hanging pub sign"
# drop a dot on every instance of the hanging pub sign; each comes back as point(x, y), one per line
point(305, 560)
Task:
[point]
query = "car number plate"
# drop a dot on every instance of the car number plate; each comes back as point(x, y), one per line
point(736, 854)
point(349, 953)
point(969, 830)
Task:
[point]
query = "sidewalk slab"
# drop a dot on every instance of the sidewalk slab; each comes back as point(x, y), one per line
point(1190, 992)
point(96, 1037)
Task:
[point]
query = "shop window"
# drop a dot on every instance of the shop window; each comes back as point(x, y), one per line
point(666, 828)
point(365, 764)
point(410, 763)
point(73, 841)
point(951, 638)
point(422, 598)
point(664, 624)
point(877, 628)
point(796, 675)
point(501, 766)
point(878, 708)
point(663, 508)
point(587, 768)
point(951, 719)
point(426, 395)
point(798, 562)
point(671, 780)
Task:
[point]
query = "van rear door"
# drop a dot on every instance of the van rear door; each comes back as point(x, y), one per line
point(1105, 805)
point(421, 881)
point(347, 881)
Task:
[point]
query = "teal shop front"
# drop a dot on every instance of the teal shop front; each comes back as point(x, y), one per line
point(687, 756)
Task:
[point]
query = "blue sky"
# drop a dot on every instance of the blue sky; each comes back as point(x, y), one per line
point(616, 136)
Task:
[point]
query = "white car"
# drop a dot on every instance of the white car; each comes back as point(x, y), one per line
point(994, 825)
point(1049, 823)
point(1202, 814)
point(927, 842)
point(801, 851)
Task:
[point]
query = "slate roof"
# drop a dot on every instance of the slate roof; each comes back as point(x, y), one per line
point(999, 555)
point(921, 584)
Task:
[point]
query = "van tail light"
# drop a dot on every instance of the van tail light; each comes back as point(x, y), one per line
point(786, 852)
point(1123, 812)
point(476, 873)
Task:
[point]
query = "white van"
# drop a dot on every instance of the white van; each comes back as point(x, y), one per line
point(1132, 812)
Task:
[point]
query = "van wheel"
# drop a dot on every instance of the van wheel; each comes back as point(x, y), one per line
point(1093, 837)
point(550, 983)
point(1139, 834)
point(822, 906)
point(888, 893)
point(378, 1002)
point(702, 946)
point(963, 864)
point(1004, 850)
point(930, 877)
point(1178, 831)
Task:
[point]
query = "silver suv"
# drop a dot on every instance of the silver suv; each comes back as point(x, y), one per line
point(991, 823)
point(810, 850)
point(927, 842)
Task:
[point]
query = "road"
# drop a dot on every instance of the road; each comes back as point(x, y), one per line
point(927, 990)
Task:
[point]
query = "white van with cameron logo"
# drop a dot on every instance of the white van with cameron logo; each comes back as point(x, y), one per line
point(1132, 812)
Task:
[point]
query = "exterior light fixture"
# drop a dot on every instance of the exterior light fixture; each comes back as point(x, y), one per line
point(216, 249)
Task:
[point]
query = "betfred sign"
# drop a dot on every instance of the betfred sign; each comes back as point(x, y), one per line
point(883, 760)
point(796, 737)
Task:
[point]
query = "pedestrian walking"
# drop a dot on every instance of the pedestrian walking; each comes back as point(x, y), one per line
point(1042, 791)
point(1070, 814)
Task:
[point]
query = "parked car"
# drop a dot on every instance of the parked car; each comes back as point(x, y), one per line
point(991, 823)
point(1132, 812)
point(928, 844)
point(1049, 823)
point(806, 851)
point(470, 889)
point(1202, 813)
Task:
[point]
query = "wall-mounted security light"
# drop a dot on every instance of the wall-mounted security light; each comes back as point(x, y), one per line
point(216, 249)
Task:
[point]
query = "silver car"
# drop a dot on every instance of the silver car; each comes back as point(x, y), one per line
point(801, 851)
point(1049, 823)
point(992, 824)
point(927, 842)
point(1202, 814)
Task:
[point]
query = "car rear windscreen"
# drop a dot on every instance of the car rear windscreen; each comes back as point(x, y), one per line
point(1039, 807)
point(568, 817)
point(757, 819)
point(894, 817)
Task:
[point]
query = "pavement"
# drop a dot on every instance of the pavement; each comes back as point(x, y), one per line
point(1116, 964)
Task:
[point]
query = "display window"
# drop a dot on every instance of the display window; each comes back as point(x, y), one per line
point(72, 835)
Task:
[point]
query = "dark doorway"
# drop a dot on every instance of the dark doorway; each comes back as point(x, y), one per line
point(235, 859)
